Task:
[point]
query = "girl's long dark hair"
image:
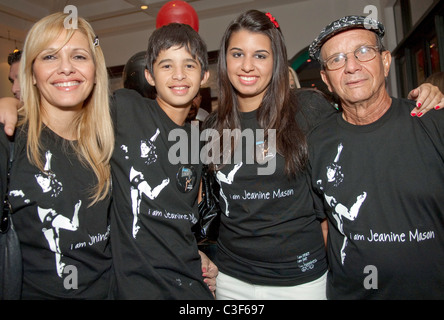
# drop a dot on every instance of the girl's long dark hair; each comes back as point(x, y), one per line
point(278, 108)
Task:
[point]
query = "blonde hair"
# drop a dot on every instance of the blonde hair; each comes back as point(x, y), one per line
point(295, 77)
point(94, 130)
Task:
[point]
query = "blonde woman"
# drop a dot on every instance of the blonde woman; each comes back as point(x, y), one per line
point(65, 234)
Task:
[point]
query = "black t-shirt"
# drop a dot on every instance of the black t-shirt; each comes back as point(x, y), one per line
point(155, 187)
point(4, 160)
point(64, 241)
point(382, 185)
point(270, 233)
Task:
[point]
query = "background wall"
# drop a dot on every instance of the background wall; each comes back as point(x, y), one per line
point(300, 22)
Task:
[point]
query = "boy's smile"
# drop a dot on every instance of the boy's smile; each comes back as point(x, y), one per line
point(177, 78)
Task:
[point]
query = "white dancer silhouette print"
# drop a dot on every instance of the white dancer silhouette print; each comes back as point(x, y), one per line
point(52, 223)
point(139, 184)
point(221, 177)
point(52, 220)
point(335, 176)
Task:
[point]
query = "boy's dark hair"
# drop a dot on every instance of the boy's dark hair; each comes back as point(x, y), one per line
point(176, 34)
point(14, 57)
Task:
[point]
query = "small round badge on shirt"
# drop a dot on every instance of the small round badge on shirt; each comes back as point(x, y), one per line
point(264, 152)
point(186, 178)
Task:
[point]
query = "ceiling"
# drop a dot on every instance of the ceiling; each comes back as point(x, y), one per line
point(111, 17)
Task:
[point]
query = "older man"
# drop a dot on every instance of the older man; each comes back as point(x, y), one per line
point(380, 173)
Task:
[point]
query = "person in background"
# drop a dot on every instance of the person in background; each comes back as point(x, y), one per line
point(294, 80)
point(133, 76)
point(378, 172)
point(436, 79)
point(14, 63)
point(60, 183)
point(196, 112)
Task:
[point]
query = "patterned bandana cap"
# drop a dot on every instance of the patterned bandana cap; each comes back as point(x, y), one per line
point(343, 24)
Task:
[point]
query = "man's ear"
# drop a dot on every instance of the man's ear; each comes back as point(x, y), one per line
point(205, 78)
point(386, 60)
point(149, 78)
point(326, 81)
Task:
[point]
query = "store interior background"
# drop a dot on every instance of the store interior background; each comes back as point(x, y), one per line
point(414, 31)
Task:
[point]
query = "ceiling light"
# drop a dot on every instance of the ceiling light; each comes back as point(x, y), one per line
point(143, 7)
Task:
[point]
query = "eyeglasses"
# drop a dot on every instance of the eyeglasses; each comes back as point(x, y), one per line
point(363, 54)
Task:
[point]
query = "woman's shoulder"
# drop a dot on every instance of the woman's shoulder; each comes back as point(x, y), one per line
point(313, 106)
point(125, 102)
point(129, 94)
point(314, 99)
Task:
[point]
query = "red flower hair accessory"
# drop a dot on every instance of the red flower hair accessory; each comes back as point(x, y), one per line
point(272, 19)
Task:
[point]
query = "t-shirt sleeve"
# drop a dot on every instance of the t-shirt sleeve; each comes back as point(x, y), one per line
point(313, 108)
point(120, 102)
point(433, 124)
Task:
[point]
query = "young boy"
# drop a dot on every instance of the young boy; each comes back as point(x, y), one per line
point(155, 202)
point(155, 255)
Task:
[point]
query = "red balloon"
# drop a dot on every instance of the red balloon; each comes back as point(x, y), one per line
point(177, 11)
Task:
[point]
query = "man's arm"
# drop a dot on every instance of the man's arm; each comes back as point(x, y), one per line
point(324, 226)
point(8, 113)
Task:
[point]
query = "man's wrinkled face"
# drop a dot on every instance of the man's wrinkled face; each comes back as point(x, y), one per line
point(356, 81)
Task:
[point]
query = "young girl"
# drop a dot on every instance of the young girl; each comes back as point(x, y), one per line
point(270, 242)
